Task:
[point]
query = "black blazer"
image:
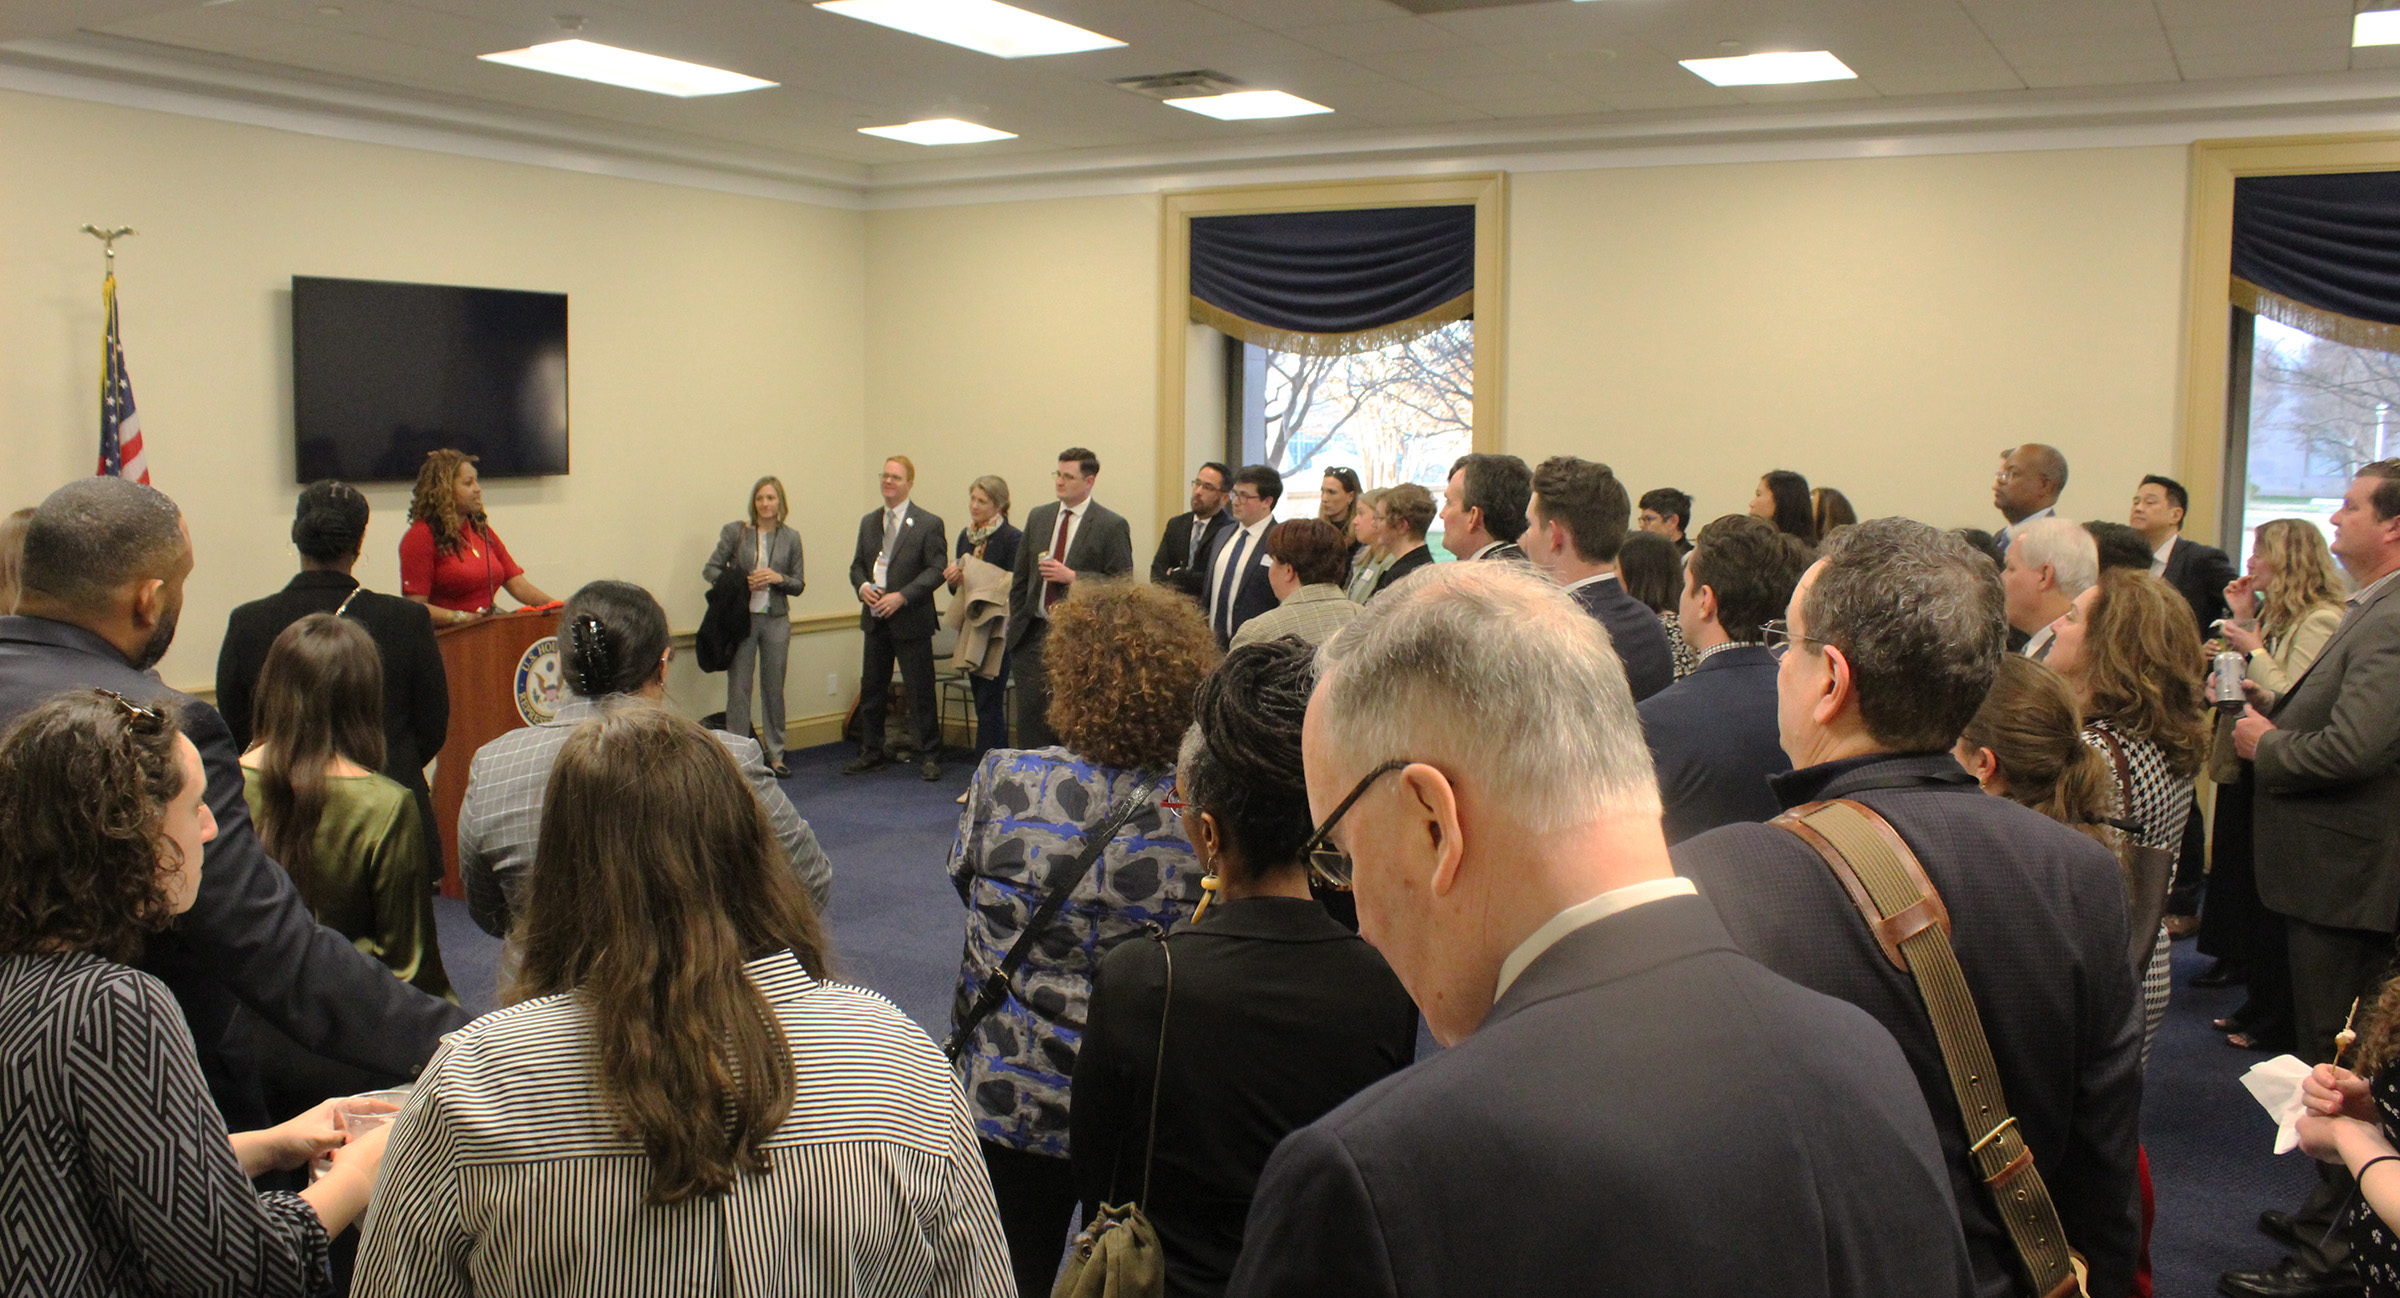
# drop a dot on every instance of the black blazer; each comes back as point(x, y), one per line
point(2200, 574)
point(2037, 915)
point(1279, 1014)
point(1253, 594)
point(1175, 547)
point(1640, 638)
point(1507, 550)
point(1103, 547)
point(1646, 1112)
point(1714, 739)
point(918, 557)
point(1401, 567)
point(416, 692)
point(248, 937)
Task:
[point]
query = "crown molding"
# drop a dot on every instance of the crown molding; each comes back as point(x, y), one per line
point(141, 75)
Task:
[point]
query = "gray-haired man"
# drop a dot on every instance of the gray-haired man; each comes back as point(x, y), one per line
point(1628, 1104)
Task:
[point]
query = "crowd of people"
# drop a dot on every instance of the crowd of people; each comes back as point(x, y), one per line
point(1627, 811)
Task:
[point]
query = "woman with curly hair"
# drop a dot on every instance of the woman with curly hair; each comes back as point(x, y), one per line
point(1264, 974)
point(1125, 660)
point(2284, 610)
point(2129, 649)
point(121, 1178)
point(450, 558)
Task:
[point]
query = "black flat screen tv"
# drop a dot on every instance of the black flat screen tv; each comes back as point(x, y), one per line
point(383, 372)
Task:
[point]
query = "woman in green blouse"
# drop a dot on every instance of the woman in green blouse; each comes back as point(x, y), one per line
point(350, 838)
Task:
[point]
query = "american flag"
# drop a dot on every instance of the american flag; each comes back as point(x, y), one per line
point(120, 425)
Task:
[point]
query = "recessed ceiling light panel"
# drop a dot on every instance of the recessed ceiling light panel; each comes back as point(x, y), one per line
point(1248, 105)
point(1771, 69)
point(2376, 27)
point(631, 69)
point(938, 130)
point(985, 26)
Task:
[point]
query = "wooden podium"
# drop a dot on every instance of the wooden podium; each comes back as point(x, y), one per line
point(481, 658)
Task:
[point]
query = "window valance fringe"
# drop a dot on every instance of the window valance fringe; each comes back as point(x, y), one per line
point(2350, 331)
point(1353, 343)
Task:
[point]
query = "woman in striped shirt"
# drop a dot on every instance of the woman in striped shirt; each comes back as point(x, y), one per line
point(678, 1101)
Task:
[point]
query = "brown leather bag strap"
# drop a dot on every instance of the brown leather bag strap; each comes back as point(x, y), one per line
point(1905, 913)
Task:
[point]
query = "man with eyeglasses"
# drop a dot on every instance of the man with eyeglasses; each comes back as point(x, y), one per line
point(1073, 538)
point(2027, 487)
point(1627, 1101)
point(1239, 587)
point(1886, 650)
point(104, 571)
point(1188, 534)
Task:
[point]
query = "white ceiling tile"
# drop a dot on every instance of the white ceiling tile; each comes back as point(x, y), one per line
point(2111, 47)
point(2211, 13)
point(1509, 24)
point(1699, 94)
point(1284, 14)
point(1388, 36)
point(1809, 93)
point(1428, 65)
point(2328, 36)
point(2008, 19)
point(1972, 77)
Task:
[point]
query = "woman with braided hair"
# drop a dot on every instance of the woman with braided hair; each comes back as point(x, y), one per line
point(612, 652)
point(1275, 1013)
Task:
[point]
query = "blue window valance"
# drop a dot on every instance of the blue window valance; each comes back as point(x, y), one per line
point(2321, 254)
point(1328, 283)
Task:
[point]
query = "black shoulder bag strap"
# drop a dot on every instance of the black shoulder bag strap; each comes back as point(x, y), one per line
point(995, 988)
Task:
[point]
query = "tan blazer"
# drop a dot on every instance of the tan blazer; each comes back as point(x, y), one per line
point(979, 615)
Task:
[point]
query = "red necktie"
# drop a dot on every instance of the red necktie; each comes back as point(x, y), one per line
point(1053, 592)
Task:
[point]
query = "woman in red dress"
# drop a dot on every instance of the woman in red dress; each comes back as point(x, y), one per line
point(451, 558)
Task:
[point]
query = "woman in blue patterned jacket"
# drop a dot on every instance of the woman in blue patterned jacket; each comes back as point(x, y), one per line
point(1125, 660)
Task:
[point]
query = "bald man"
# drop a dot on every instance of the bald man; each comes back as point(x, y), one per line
point(104, 571)
point(2027, 488)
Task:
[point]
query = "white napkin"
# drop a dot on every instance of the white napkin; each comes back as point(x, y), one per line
point(2275, 1084)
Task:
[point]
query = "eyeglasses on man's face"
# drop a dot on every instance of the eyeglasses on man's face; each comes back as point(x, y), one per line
point(1779, 637)
point(1326, 861)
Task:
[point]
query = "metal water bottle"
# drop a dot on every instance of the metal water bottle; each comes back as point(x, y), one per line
point(2225, 681)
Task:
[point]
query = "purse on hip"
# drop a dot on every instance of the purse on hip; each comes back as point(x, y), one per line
point(1117, 1254)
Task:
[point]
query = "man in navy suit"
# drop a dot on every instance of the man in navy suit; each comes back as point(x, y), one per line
point(1577, 519)
point(1069, 539)
point(1628, 1104)
point(1236, 560)
point(1886, 650)
point(1712, 734)
point(894, 571)
point(2198, 572)
point(1483, 508)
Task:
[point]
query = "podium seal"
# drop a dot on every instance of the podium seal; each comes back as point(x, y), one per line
point(538, 681)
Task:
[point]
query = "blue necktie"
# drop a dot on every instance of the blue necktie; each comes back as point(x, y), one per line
point(1225, 586)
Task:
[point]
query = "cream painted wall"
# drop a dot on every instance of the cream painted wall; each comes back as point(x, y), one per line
point(714, 338)
point(1001, 334)
point(1880, 326)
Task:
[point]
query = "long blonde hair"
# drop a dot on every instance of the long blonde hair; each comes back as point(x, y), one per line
point(2305, 578)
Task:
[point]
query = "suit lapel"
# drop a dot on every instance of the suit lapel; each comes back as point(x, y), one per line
point(2350, 619)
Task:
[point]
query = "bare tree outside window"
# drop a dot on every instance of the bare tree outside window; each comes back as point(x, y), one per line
point(2318, 410)
point(1400, 414)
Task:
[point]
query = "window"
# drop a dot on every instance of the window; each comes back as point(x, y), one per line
point(1400, 414)
point(2315, 410)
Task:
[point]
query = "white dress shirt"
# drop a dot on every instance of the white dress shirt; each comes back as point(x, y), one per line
point(1251, 541)
point(1061, 543)
point(894, 519)
point(2158, 557)
point(1582, 913)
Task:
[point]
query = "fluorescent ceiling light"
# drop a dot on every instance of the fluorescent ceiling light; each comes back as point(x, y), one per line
point(1248, 105)
point(631, 69)
point(985, 26)
point(938, 130)
point(2376, 27)
point(1771, 69)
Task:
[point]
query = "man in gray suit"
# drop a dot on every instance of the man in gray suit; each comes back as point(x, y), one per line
point(894, 570)
point(1629, 1105)
point(1073, 538)
point(2328, 834)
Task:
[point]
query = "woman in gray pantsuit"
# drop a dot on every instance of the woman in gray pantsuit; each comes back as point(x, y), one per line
point(769, 550)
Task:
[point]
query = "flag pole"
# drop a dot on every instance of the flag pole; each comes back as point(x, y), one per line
point(108, 244)
point(120, 427)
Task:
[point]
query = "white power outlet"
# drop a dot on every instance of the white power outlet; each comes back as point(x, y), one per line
point(833, 683)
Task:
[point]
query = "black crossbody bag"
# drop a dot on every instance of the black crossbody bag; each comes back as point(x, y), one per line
point(995, 988)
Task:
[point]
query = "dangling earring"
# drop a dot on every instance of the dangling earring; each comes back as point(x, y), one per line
point(1210, 884)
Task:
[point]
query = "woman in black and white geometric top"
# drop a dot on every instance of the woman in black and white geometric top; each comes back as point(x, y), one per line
point(120, 1176)
point(680, 1100)
point(2129, 648)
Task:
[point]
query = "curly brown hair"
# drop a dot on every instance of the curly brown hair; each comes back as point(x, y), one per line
point(1126, 659)
point(2142, 665)
point(85, 780)
point(436, 499)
